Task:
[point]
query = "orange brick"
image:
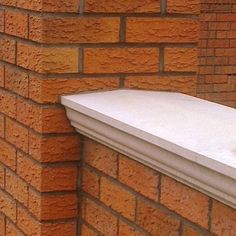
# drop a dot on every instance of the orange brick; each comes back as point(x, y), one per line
point(121, 60)
point(183, 84)
point(54, 149)
point(52, 207)
point(90, 182)
point(16, 23)
point(2, 125)
point(2, 74)
point(119, 6)
point(2, 177)
point(223, 219)
point(7, 205)
point(181, 59)
point(187, 202)
point(16, 81)
point(125, 229)
point(216, 79)
point(11, 230)
point(8, 2)
point(117, 198)
point(43, 120)
point(2, 224)
point(157, 30)
point(74, 29)
point(155, 221)
point(8, 154)
point(1, 20)
point(138, 177)
point(50, 5)
point(49, 90)
point(100, 157)
point(16, 187)
point(184, 6)
point(8, 104)
point(101, 219)
point(17, 135)
point(188, 231)
point(8, 50)
point(47, 59)
point(86, 231)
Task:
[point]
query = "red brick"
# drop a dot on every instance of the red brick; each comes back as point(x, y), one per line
point(218, 43)
point(8, 50)
point(74, 29)
point(7, 205)
point(17, 135)
point(8, 2)
point(184, 6)
point(49, 90)
point(121, 60)
point(90, 182)
point(1, 20)
point(47, 59)
point(2, 177)
point(8, 103)
point(2, 74)
point(181, 59)
point(117, 198)
point(2, 126)
point(100, 157)
point(125, 229)
point(86, 231)
point(54, 149)
point(16, 81)
point(52, 207)
point(11, 230)
point(17, 188)
point(2, 224)
point(101, 219)
point(155, 221)
point(157, 30)
point(16, 23)
point(223, 219)
point(187, 202)
point(8, 154)
point(50, 5)
point(188, 231)
point(119, 6)
point(138, 177)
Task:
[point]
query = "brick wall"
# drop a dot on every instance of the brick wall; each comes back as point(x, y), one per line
point(217, 52)
point(49, 48)
point(122, 197)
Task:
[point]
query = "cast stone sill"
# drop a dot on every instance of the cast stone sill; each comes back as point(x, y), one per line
point(189, 139)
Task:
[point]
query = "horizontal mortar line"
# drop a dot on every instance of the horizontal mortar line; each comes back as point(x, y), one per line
point(117, 44)
point(14, 223)
point(83, 221)
point(99, 14)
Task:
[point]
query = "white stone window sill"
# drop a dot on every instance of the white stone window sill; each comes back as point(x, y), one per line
point(189, 139)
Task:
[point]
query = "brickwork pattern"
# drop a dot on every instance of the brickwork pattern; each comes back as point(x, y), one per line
point(217, 52)
point(134, 200)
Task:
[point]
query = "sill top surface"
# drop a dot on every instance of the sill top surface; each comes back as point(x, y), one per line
point(201, 131)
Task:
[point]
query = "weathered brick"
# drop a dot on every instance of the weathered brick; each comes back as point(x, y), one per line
point(16, 81)
point(74, 29)
point(90, 182)
point(8, 154)
point(7, 206)
point(138, 177)
point(181, 59)
point(17, 135)
point(50, 5)
point(157, 30)
point(2, 74)
point(119, 6)
point(100, 157)
point(8, 103)
point(11, 230)
point(2, 126)
point(9, 2)
point(121, 60)
point(47, 59)
point(223, 219)
point(54, 149)
point(8, 50)
point(16, 23)
point(52, 207)
point(2, 177)
point(125, 229)
point(117, 198)
point(155, 221)
point(2, 224)
point(86, 231)
point(16, 187)
point(184, 6)
point(187, 202)
point(1, 20)
point(101, 219)
point(183, 84)
point(189, 231)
